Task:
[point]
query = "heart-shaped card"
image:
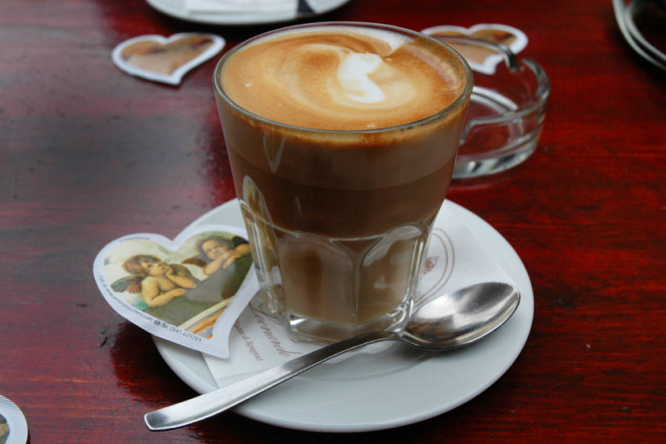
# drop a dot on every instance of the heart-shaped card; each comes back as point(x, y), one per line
point(189, 291)
point(166, 60)
point(480, 58)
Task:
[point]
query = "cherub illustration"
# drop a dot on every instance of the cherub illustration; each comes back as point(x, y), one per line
point(168, 291)
point(226, 263)
point(217, 252)
point(157, 282)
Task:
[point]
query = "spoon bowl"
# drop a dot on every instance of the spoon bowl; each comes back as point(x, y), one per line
point(447, 322)
point(462, 317)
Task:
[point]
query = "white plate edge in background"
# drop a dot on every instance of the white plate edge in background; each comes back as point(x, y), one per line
point(169, 7)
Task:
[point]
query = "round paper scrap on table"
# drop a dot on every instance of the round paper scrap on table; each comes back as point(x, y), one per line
point(13, 426)
point(165, 59)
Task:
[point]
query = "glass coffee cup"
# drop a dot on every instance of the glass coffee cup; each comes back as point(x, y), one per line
point(342, 138)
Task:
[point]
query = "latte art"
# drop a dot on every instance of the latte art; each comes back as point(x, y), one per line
point(341, 79)
point(354, 79)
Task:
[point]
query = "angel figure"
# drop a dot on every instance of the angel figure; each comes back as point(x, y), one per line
point(162, 287)
point(225, 261)
point(157, 282)
point(217, 252)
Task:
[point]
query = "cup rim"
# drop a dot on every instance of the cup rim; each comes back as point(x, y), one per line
point(462, 98)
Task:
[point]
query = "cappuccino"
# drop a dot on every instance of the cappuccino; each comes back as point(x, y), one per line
point(342, 139)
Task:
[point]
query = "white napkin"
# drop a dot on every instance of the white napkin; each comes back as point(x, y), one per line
point(231, 6)
point(454, 260)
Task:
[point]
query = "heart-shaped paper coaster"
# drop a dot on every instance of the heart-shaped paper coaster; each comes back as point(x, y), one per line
point(165, 60)
point(189, 291)
point(482, 59)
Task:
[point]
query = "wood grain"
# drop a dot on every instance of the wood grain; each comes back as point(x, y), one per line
point(88, 154)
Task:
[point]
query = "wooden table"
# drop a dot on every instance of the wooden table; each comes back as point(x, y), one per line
point(88, 154)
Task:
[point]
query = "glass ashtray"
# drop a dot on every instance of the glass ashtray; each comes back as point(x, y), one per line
point(506, 111)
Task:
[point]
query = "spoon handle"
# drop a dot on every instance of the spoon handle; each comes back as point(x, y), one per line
point(217, 401)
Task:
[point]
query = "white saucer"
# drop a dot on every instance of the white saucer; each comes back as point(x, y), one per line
point(347, 396)
point(176, 8)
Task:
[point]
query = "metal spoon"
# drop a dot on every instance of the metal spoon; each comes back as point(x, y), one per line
point(447, 322)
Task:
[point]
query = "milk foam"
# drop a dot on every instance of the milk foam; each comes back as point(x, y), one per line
point(341, 78)
point(353, 75)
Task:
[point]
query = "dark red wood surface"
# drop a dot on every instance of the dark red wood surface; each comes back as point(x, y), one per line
point(88, 154)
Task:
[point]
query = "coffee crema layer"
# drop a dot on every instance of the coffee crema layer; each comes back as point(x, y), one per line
point(342, 78)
